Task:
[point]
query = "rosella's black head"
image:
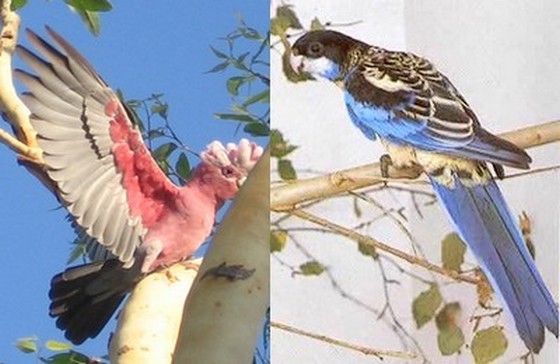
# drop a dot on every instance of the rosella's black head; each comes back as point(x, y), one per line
point(325, 53)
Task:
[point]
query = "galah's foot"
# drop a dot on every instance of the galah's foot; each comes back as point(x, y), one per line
point(189, 264)
point(385, 162)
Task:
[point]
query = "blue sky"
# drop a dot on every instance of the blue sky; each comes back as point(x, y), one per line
point(142, 49)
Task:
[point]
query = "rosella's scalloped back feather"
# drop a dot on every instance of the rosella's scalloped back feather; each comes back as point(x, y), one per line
point(133, 218)
point(423, 120)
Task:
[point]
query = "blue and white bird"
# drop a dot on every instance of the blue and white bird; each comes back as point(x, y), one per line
point(423, 121)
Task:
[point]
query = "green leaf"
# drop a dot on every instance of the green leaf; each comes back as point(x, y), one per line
point(53, 345)
point(286, 170)
point(238, 117)
point(220, 67)
point(90, 5)
point(279, 25)
point(316, 24)
point(239, 61)
point(278, 240)
point(91, 19)
point(18, 4)
point(312, 268)
point(425, 305)
point(488, 344)
point(279, 147)
point(263, 96)
point(450, 341)
point(251, 33)
point(257, 129)
point(183, 167)
point(234, 83)
point(453, 252)
point(160, 109)
point(164, 151)
point(219, 54)
point(367, 249)
point(68, 358)
point(27, 344)
point(285, 11)
point(155, 133)
point(448, 316)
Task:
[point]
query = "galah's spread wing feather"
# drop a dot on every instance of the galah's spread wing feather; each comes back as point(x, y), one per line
point(105, 175)
point(427, 109)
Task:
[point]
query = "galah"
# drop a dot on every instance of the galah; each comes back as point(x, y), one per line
point(113, 188)
point(423, 120)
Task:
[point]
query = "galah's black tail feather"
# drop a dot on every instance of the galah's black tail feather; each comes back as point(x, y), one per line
point(84, 298)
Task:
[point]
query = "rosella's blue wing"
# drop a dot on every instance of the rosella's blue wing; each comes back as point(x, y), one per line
point(412, 103)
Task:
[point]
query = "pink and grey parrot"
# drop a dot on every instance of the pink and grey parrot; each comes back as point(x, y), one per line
point(113, 188)
point(424, 121)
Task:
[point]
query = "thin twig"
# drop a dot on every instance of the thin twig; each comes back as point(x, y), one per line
point(381, 246)
point(362, 349)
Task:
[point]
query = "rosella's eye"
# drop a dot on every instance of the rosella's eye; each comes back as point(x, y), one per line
point(228, 171)
point(315, 49)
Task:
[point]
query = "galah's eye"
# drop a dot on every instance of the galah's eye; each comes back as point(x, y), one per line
point(228, 171)
point(315, 50)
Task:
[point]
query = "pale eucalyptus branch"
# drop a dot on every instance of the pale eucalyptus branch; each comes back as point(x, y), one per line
point(285, 196)
point(24, 142)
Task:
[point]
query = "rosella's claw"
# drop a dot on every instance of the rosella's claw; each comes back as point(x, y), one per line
point(385, 162)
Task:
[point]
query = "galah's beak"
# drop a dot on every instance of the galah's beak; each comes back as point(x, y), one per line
point(240, 181)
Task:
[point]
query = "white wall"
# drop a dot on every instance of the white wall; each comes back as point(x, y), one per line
point(503, 57)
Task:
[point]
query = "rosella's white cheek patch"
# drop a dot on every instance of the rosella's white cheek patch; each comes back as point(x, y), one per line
point(322, 67)
point(317, 67)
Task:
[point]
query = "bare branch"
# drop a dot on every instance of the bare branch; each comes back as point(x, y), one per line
point(290, 194)
point(362, 349)
point(381, 246)
point(10, 104)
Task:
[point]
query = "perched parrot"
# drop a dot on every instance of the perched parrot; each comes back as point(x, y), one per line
point(423, 120)
point(113, 188)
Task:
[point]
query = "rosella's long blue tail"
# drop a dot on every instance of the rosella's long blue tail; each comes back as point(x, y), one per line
point(484, 222)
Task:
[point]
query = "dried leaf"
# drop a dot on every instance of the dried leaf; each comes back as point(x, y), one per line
point(448, 316)
point(483, 288)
